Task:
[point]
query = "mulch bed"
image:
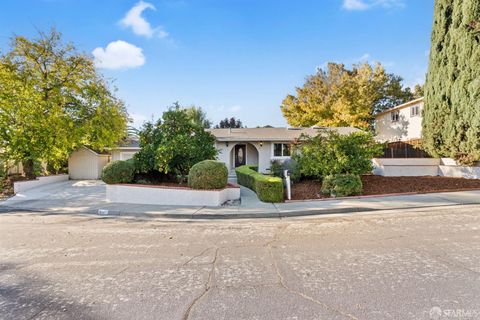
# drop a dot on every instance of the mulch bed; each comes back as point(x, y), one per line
point(378, 185)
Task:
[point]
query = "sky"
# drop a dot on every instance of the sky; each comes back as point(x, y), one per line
point(235, 58)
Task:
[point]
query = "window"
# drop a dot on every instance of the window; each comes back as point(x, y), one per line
point(395, 116)
point(415, 111)
point(281, 150)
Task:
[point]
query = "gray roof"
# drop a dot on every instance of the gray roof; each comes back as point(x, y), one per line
point(273, 134)
point(129, 143)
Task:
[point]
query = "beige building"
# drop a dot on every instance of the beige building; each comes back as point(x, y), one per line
point(236, 147)
point(401, 123)
point(259, 146)
point(86, 164)
point(126, 150)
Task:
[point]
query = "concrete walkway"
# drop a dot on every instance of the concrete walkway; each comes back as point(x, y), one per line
point(88, 197)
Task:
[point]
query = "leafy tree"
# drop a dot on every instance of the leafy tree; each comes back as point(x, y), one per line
point(451, 122)
point(338, 96)
point(331, 153)
point(418, 91)
point(52, 100)
point(199, 117)
point(229, 123)
point(173, 144)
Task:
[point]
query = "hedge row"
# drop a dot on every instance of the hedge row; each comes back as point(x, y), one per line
point(268, 189)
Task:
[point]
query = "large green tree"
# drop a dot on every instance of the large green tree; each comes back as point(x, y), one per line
point(173, 144)
point(451, 116)
point(199, 116)
point(338, 96)
point(52, 100)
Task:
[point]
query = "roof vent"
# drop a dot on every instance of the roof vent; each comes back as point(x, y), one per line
point(318, 127)
point(294, 128)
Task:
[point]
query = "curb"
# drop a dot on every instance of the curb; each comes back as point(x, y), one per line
point(234, 216)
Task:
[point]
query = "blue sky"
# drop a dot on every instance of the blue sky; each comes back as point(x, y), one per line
point(232, 57)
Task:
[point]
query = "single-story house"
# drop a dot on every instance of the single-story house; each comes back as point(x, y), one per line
point(255, 146)
point(401, 123)
point(126, 150)
point(259, 146)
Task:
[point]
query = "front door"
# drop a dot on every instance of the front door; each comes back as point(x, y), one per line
point(240, 155)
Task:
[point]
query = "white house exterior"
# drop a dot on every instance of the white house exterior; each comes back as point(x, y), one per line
point(401, 123)
point(86, 164)
point(126, 150)
point(236, 147)
point(259, 146)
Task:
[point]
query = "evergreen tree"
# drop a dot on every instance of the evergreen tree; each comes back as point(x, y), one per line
point(451, 122)
point(229, 123)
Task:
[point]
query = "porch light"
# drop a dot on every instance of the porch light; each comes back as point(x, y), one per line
point(226, 144)
point(261, 143)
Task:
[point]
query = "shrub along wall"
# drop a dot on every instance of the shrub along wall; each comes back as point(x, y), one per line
point(268, 189)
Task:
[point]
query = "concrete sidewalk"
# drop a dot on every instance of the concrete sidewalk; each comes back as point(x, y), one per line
point(88, 197)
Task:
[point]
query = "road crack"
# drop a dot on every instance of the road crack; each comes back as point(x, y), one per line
point(208, 286)
point(296, 292)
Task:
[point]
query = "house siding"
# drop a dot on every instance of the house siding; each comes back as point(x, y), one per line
point(405, 129)
point(86, 164)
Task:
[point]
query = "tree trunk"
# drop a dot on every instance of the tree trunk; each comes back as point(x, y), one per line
point(28, 169)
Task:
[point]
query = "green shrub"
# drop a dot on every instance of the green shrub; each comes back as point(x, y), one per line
point(119, 172)
point(208, 174)
point(268, 189)
point(278, 168)
point(342, 185)
point(332, 153)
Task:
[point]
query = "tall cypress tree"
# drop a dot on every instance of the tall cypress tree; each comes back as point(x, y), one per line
point(451, 122)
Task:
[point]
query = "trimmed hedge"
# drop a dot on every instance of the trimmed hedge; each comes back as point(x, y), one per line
point(268, 189)
point(342, 185)
point(208, 174)
point(119, 172)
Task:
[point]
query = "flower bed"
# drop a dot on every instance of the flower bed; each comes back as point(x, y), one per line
point(379, 185)
point(172, 195)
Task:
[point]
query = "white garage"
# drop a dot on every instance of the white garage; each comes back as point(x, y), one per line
point(86, 164)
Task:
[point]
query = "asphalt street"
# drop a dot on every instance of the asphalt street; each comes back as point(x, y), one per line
point(418, 264)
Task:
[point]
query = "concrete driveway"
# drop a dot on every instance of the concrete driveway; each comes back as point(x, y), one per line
point(72, 195)
point(88, 196)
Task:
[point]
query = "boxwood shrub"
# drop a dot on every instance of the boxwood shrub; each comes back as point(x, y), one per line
point(342, 185)
point(118, 172)
point(208, 174)
point(268, 189)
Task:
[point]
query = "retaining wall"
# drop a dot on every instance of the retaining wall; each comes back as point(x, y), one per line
point(158, 195)
point(20, 186)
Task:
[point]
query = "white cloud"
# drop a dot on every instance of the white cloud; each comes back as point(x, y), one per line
point(369, 4)
point(133, 19)
point(118, 55)
point(235, 109)
point(354, 5)
point(364, 57)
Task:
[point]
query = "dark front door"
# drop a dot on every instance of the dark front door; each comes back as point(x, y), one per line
point(240, 155)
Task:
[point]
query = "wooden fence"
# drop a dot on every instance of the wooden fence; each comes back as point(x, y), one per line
point(408, 149)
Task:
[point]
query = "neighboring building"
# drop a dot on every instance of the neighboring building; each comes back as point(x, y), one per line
point(126, 150)
point(401, 123)
point(86, 164)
